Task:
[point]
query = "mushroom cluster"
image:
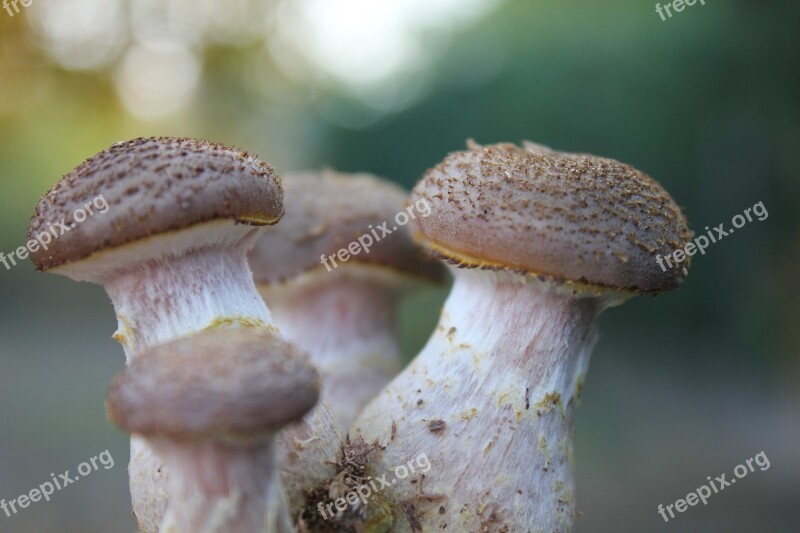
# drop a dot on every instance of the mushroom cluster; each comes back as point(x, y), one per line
point(259, 381)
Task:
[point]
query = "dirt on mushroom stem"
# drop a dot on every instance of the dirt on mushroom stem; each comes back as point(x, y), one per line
point(351, 469)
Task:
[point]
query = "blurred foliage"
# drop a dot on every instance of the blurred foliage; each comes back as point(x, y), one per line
point(706, 102)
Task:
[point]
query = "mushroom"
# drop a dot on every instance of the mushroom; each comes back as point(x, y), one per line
point(539, 243)
point(210, 405)
point(343, 316)
point(170, 252)
point(342, 312)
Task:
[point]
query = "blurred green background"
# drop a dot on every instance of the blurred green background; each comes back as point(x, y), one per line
point(685, 385)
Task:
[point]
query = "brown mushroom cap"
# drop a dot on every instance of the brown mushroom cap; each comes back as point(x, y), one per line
point(325, 212)
point(220, 383)
point(154, 186)
point(573, 217)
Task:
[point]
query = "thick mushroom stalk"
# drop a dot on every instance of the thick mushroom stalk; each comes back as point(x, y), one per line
point(490, 401)
point(540, 243)
point(347, 321)
point(210, 406)
point(222, 487)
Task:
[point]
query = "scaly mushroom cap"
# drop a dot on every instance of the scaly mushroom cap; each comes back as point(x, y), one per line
point(325, 212)
point(216, 384)
point(154, 186)
point(572, 217)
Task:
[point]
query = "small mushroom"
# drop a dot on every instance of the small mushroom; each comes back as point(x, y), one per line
point(210, 405)
point(170, 252)
point(171, 249)
point(343, 316)
point(540, 243)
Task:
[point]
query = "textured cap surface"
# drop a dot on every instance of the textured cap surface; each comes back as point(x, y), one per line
point(575, 217)
point(153, 186)
point(327, 211)
point(219, 383)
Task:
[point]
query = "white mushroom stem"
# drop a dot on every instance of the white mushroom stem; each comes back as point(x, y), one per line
point(174, 285)
point(222, 487)
point(168, 298)
point(490, 401)
point(345, 321)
